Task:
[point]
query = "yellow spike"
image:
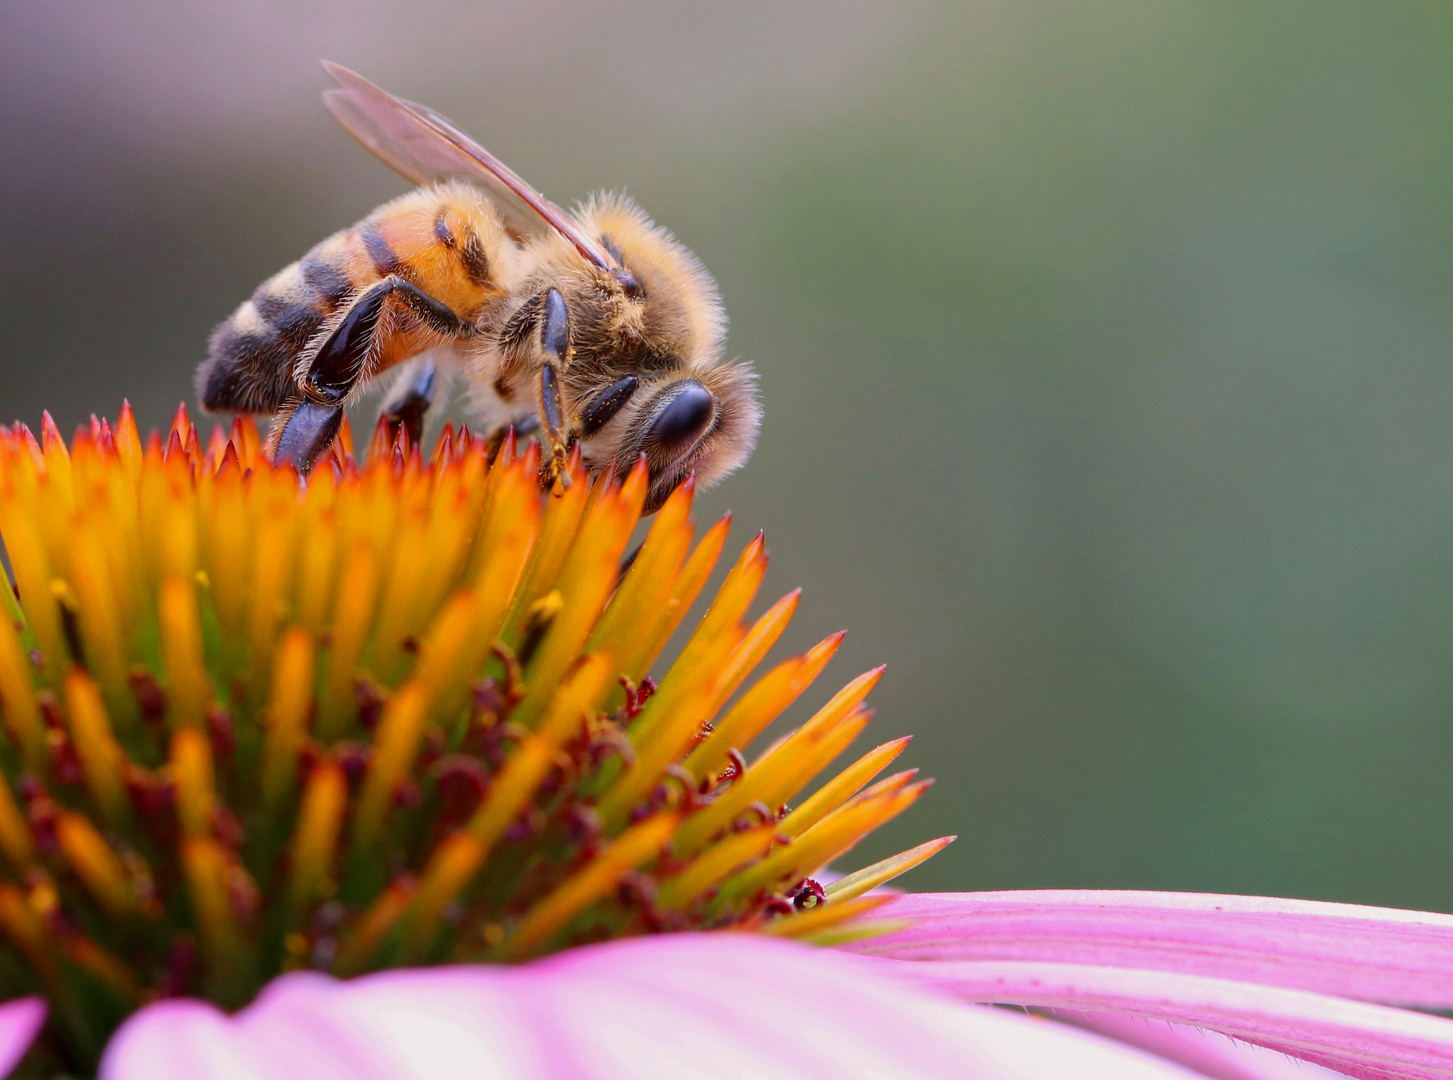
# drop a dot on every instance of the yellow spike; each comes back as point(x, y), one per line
point(191, 762)
point(317, 569)
point(128, 443)
point(880, 873)
point(285, 722)
point(402, 593)
point(95, 745)
point(205, 866)
point(748, 653)
point(701, 658)
point(452, 867)
point(229, 549)
point(32, 566)
point(647, 585)
point(842, 787)
point(352, 622)
point(315, 840)
point(829, 839)
point(271, 582)
point(106, 966)
point(15, 839)
point(57, 459)
point(683, 594)
point(601, 874)
point(183, 654)
point(558, 526)
point(584, 583)
point(94, 863)
point(177, 525)
point(771, 779)
point(714, 865)
point(814, 756)
point(454, 863)
point(535, 755)
point(456, 646)
point(27, 933)
point(374, 925)
point(669, 740)
point(760, 705)
point(100, 620)
point(17, 695)
point(250, 450)
point(815, 920)
point(395, 744)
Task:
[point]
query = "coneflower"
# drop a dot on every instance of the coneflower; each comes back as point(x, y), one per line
point(401, 714)
point(377, 763)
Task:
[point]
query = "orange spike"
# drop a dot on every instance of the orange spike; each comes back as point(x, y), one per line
point(378, 446)
point(842, 787)
point(507, 449)
point(688, 586)
point(181, 420)
point(344, 441)
point(880, 873)
point(128, 441)
point(443, 448)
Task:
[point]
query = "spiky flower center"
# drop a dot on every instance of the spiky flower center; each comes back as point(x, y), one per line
point(399, 714)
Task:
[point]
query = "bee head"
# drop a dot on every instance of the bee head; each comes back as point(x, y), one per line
point(705, 423)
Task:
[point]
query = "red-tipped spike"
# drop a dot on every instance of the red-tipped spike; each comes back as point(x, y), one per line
point(106, 438)
point(378, 446)
point(444, 448)
point(50, 435)
point(181, 421)
point(507, 449)
point(229, 459)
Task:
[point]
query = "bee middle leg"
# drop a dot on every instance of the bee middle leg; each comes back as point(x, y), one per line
point(409, 401)
point(555, 353)
point(313, 419)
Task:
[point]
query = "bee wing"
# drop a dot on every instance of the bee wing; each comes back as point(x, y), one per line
point(423, 146)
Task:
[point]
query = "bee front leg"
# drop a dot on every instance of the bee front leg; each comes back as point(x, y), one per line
point(312, 420)
point(555, 353)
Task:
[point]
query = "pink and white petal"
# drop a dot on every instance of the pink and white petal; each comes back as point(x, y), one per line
point(1373, 954)
point(20, 1022)
point(1216, 1056)
point(699, 1005)
point(1372, 1042)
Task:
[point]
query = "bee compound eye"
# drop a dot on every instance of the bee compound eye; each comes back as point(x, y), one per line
point(684, 417)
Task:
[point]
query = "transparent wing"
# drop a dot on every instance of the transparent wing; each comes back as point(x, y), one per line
point(423, 147)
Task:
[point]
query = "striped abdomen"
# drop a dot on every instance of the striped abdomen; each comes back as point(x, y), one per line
point(445, 239)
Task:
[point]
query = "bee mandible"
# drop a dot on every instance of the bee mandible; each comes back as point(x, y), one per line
point(592, 327)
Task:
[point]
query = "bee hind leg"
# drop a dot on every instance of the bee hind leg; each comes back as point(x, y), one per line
point(313, 418)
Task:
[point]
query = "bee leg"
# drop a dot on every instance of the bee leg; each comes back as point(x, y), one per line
point(342, 360)
point(410, 400)
point(555, 351)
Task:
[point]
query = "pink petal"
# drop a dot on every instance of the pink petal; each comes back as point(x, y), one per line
point(20, 1020)
point(697, 1005)
point(1374, 1042)
point(1218, 1057)
point(1373, 954)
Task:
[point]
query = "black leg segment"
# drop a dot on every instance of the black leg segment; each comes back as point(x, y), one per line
point(412, 401)
point(309, 431)
point(343, 359)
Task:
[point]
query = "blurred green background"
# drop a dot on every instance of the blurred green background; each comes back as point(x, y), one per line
point(1107, 353)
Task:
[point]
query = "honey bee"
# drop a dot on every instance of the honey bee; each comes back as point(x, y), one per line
point(592, 327)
